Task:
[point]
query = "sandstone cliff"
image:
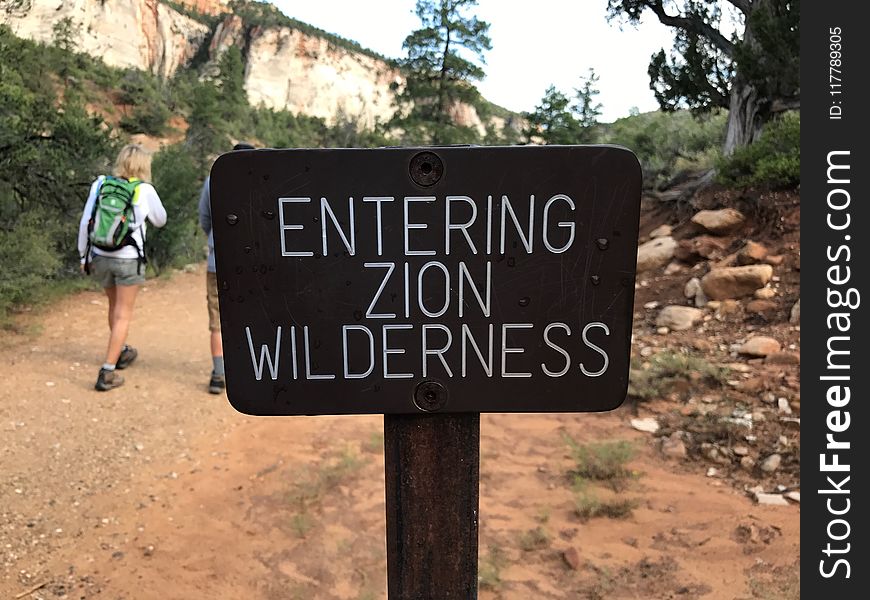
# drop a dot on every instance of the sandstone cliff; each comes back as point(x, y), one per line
point(286, 68)
point(141, 34)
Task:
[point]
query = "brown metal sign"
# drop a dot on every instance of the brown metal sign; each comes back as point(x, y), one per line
point(403, 280)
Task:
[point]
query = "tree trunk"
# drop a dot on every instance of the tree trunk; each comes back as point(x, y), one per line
point(746, 113)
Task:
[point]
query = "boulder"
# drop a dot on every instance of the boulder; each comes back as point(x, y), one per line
point(735, 282)
point(771, 463)
point(700, 248)
point(765, 293)
point(770, 499)
point(679, 318)
point(719, 222)
point(655, 253)
point(661, 231)
point(673, 446)
point(752, 253)
point(694, 291)
point(760, 346)
point(783, 358)
point(761, 307)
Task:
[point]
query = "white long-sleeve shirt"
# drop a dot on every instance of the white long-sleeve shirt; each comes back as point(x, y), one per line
point(146, 206)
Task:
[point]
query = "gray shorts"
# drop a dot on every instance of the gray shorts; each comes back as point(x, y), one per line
point(117, 271)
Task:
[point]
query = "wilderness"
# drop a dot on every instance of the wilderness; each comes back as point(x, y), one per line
point(691, 489)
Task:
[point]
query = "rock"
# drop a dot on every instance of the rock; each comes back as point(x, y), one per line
point(679, 318)
point(661, 231)
point(727, 308)
point(651, 305)
point(692, 287)
point(712, 472)
point(646, 351)
point(648, 424)
point(765, 293)
point(770, 499)
point(703, 247)
point(795, 316)
point(655, 253)
point(783, 358)
point(673, 446)
point(796, 496)
point(761, 307)
point(673, 268)
point(740, 450)
point(771, 463)
point(774, 259)
point(719, 222)
point(747, 463)
point(663, 331)
point(571, 558)
point(735, 282)
point(783, 406)
point(760, 346)
point(702, 345)
point(752, 253)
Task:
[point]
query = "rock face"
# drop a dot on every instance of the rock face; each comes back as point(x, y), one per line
point(290, 70)
point(735, 282)
point(655, 253)
point(140, 34)
point(719, 222)
point(285, 68)
point(679, 318)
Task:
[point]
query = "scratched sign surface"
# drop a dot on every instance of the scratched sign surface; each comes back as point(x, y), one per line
point(401, 280)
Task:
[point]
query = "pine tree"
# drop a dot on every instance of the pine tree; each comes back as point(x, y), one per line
point(438, 77)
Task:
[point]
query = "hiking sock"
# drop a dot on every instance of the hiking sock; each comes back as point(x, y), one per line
point(218, 365)
point(108, 367)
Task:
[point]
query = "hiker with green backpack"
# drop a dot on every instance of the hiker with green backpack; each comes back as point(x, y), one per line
point(111, 245)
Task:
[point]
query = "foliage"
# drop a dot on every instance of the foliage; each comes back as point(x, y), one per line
point(28, 259)
point(438, 76)
point(667, 143)
point(774, 160)
point(604, 461)
point(50, 152)
point(655, 378)
point(561, 119)
point(177, 179)
point(491, 565)
point(147, 102)
point(750, 75)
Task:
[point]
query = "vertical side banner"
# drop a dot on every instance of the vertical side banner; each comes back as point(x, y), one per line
point(834, 190)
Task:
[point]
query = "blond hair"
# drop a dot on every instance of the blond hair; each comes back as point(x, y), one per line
point(133, 161)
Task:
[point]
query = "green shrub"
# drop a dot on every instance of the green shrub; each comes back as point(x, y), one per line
point(668, 142)
point(178, 181)
point(773, 160)
point(28, 256)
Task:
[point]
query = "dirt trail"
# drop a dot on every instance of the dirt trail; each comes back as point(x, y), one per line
point(160, 490)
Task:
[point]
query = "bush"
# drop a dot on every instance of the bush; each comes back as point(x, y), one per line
point(178, 182)
point(28, 256)
point(668, 142)
point(773, 160)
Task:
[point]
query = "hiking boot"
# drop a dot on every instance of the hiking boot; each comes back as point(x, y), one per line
point(128, 355)
point(217, 384)
point(107, 380)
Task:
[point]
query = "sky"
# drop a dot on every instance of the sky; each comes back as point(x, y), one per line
point(535, 44)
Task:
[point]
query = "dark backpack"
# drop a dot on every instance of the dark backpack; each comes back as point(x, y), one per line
point(113, 219)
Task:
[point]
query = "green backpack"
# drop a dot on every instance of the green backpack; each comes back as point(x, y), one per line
point(113, 220)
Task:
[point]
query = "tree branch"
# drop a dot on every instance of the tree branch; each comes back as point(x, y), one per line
point(693, 24)
point(744, 6)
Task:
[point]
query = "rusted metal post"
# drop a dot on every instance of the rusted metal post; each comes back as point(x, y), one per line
point(432, 468)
